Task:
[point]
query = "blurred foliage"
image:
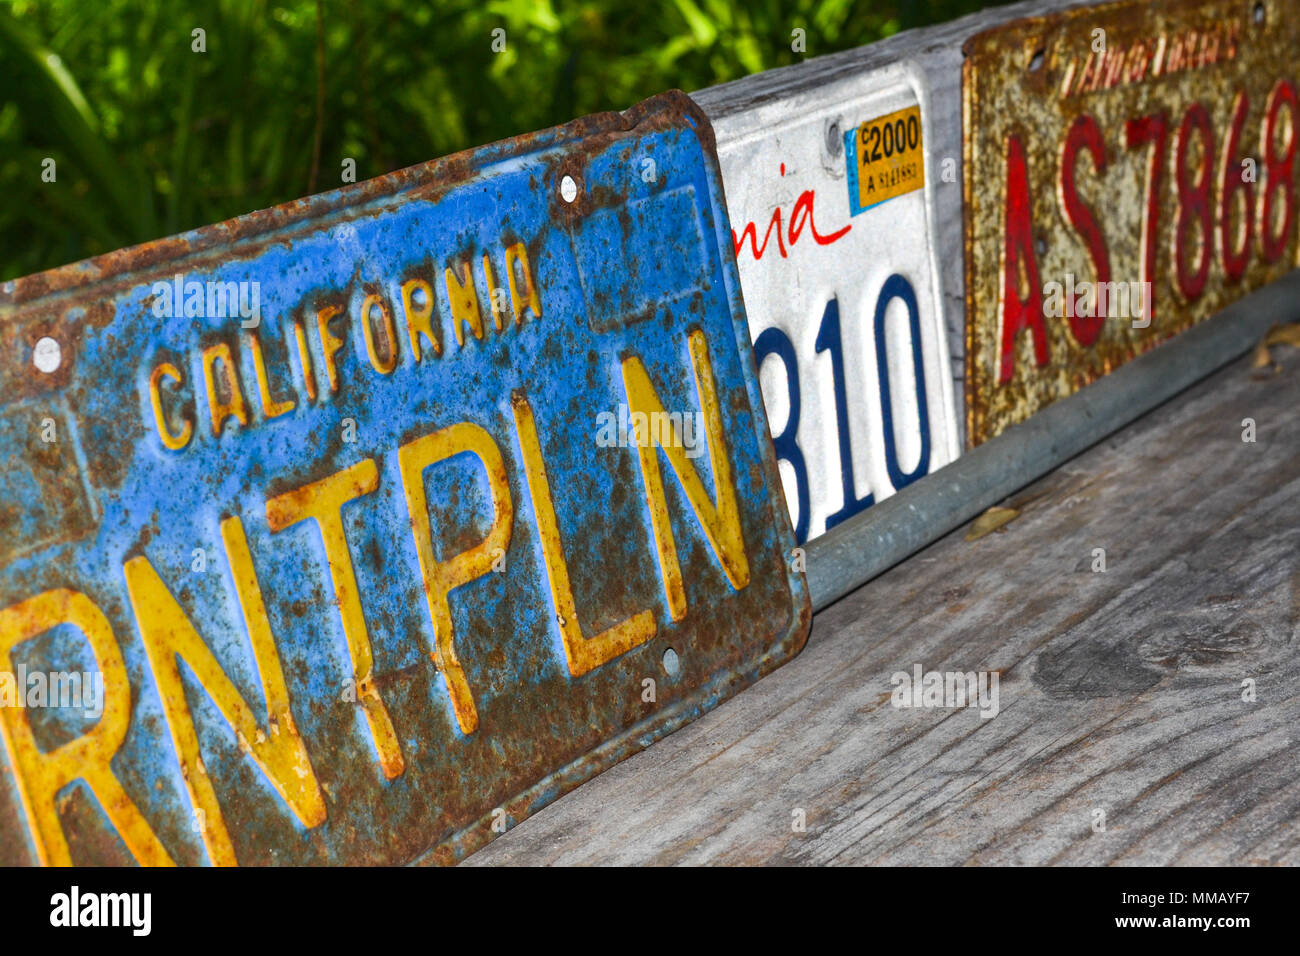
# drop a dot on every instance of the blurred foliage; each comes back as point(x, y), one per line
point(150, 137)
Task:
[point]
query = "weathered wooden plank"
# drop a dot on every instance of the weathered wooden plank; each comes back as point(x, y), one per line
point(1120, 691)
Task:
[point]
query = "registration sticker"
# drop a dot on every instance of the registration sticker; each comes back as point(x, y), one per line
point(884, 158)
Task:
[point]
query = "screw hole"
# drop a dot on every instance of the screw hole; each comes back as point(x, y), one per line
point(47, 356)
point(568, 189)
point(834, 139)
point(672, 666)
point(1259, 13)
point(1041, 246)
point(1036, 61)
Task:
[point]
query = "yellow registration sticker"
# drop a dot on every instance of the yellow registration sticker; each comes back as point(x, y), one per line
point(885, 158)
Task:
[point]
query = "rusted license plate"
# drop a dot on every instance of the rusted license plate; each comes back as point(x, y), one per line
point(355, 530)
point(1130, 169)
point(832, 223)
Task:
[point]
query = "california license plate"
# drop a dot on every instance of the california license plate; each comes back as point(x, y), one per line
point(829, 192)
point(1130, 170)
point(357, 529)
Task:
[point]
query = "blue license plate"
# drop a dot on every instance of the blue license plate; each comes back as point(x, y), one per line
point(357, 529)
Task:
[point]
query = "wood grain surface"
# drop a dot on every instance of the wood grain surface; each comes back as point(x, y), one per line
point(1121, 736)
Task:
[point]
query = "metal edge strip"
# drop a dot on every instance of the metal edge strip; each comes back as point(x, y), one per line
point(851, 554)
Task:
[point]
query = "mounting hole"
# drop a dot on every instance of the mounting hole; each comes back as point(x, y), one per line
point(834, 139)
point(1036, 61)
point(672, 665)
point(568, 189)
point(1259, 13)
point(1041, 246)
point(47, 356)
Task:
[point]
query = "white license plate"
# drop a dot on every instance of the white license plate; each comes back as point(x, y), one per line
point(829, 194)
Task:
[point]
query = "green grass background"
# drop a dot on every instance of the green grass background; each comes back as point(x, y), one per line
point(150, 138)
